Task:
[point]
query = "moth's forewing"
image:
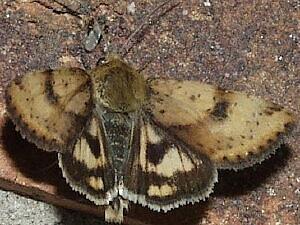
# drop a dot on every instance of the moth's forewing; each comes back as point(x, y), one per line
point(233, 129)
point(88, 168)
point(50, 108)
point(162, 173)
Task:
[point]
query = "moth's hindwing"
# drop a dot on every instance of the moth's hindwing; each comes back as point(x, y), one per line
point(50, 108)
point(235, 130)
point(88, 168)
point(162, 172)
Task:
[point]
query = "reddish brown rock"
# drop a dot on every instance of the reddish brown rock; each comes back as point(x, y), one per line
point(244, 45)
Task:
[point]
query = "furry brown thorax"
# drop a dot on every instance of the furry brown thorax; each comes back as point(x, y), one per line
point(118, 87)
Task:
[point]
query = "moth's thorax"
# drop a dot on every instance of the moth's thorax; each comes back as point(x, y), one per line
point(118, 87)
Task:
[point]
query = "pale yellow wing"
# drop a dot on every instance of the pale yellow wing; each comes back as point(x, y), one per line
point(50, 108)
point(234, 129)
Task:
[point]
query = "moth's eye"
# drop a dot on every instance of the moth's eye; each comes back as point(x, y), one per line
point(118, 86)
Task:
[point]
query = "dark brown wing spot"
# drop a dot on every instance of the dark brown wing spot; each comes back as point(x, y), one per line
point(93, 144)
point(212, 151)
point(275, 108)
point(200, 145)
point(220, 110)
point(268, 112)
point(229, 146)
point(193, 97)
point(288, 125)
point(49, 82)
point(156, 152)
point(225, 158)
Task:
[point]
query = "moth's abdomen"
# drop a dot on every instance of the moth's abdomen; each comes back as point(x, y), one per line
point(118, 128)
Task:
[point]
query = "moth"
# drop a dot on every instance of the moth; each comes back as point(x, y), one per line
point(156, 142)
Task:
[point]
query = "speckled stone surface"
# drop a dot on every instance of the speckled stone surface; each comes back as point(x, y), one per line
point(251, 46)
point(18, 210)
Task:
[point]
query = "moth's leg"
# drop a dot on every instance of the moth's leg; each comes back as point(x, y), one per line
point(114, 212)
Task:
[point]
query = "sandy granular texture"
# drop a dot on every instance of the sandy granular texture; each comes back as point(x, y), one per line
point(251, 46)
point(18, 210)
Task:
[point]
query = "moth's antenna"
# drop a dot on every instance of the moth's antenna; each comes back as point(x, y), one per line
point(127, 46)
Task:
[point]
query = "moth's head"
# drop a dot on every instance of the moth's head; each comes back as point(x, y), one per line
point(118, 87)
